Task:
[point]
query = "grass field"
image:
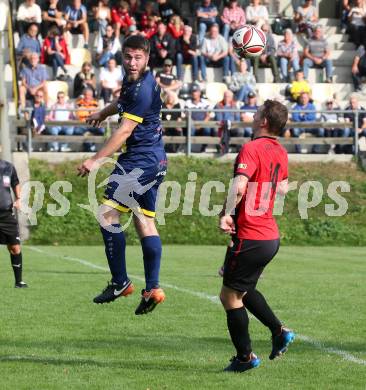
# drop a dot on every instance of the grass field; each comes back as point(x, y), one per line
point(53, 337)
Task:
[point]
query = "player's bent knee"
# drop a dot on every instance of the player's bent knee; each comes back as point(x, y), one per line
point(14, 249)
point(231, 299)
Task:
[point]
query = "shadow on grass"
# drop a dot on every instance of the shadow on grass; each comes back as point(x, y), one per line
point(66, 272)
point(132, 364)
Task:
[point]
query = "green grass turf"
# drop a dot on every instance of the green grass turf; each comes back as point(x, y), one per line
point(53, 337)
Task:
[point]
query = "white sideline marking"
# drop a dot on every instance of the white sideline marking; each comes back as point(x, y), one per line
point(214, 299)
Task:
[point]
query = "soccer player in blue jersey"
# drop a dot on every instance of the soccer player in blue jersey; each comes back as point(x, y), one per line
point(135, 180)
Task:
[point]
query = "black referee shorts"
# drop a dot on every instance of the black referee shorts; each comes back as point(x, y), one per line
point(245, 261)
point(9, 230)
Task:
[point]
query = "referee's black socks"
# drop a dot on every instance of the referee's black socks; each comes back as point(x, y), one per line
point(255, 302)
point(16, 262)
point(237, 323)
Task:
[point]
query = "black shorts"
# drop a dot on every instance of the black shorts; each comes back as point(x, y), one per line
point(245, 261)
point(9, 230)
point(76, 30)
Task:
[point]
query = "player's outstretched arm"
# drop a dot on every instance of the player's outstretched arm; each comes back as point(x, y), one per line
point(111, 146)
point(97, 118)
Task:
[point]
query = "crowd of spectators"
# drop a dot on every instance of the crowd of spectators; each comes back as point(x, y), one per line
point(201, 41)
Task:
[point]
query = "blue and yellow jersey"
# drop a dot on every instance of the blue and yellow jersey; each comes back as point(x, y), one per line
point(140, 101)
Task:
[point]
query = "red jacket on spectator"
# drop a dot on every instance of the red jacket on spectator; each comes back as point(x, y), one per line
point(121, 17)
point(148, 32)
point(47, 44)
point(174, 32)
point(144, 20)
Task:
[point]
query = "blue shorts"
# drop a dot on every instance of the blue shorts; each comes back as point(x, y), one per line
point(134, 182)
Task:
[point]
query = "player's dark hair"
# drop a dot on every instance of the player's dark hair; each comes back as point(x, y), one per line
point(276, 114)
point(137, 42)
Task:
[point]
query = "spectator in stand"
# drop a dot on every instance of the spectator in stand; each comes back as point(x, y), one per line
point(110, 80)
point(299, 85)
point(121, 18)
point(306, 18)
point(61, 111)
point(84, 79)
point(252, 106)
point(354, 105)
point(356, 26)
point(55, 52)
point(163, 46)
point(359, 68)
point(86, 105)
point(148, 11)
point(109, 46)
point(228, 102)
point(257, 14)
point(38, 115)
point(134, 7)
point(306, 112)
point(52, 16)
point(176, 26)
point(36, 118)
point(288, 55)
point(268, 58)
point(144, 18)
point(76, 20)
point(214, 52)
point(206, 16)
point(330, 117)
point(198, 103)
point(27, 45)
point(166, 79)
point(233, 17)
point(187, 53)
point(102, 15)
point(170, 102)
point(242, 82)
point(317, 53)
point(28, 13)
point(151, 27)
point(166, 10)
point(346, 8)
point(33, 79)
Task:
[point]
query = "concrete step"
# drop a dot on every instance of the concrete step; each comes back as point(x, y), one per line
point(330, 22)
point(336, 38)
point(321, 91)
point(342, 74)
point(343, 46)
point(330, 30)
point(342, 58)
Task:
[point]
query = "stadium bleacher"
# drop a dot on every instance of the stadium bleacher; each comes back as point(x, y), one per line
point(342, 54)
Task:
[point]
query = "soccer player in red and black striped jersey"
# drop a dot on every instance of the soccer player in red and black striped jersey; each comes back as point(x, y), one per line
point(260, 171)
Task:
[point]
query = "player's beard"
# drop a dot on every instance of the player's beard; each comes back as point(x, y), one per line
point(136, 76)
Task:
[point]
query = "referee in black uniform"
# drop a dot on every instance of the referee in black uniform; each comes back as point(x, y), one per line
point(9, 230)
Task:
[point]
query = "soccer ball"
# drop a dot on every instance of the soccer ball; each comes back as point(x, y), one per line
point(249, 41)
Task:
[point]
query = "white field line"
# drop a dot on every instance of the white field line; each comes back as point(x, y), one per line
point(214, 299)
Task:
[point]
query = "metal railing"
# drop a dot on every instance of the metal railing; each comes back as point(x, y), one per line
point(187, 123)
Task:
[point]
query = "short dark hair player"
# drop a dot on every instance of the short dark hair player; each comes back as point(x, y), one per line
point(140, 169)
point(261, 170)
